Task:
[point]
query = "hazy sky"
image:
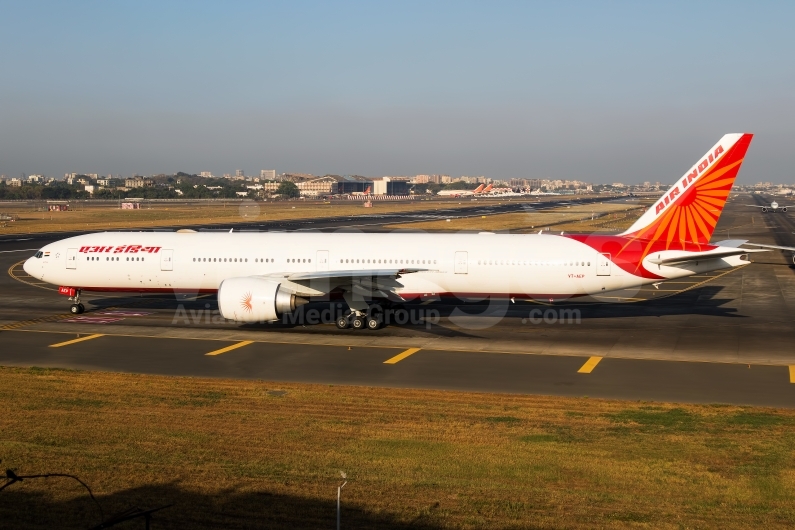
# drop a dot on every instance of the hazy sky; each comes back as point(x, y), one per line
point(601, 92)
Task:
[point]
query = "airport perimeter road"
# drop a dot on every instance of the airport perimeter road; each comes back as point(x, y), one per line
point(721, 337)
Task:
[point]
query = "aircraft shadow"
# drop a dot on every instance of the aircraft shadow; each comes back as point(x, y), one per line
point(453, 320)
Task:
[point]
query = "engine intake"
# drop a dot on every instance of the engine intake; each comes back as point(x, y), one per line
point(255, 300)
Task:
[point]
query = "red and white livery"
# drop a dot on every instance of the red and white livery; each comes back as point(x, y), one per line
point(260, 276)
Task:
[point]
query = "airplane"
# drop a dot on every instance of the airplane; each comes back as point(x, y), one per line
point(460, 193)
point(774, 207)
point(365, 192)
point(261, 277)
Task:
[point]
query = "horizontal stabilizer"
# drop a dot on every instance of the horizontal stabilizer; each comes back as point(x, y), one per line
point(690, 257)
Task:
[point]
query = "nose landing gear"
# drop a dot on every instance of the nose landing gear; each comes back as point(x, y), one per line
point(76, 308)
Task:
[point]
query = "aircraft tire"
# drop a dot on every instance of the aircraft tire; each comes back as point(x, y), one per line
point(357, 323)
point(373, 323)
point(343, 322)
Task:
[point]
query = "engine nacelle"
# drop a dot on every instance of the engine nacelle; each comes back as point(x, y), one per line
point(764, 210)
point(784, 209)
point(255, 300)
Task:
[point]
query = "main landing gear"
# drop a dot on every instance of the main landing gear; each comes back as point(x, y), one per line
point(358, 320)
point(76, 308)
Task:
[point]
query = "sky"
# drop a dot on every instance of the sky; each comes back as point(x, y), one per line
point(594, 91)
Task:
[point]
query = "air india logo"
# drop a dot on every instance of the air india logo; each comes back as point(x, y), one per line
point(245, 302)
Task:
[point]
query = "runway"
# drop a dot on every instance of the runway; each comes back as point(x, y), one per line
point(722, 337)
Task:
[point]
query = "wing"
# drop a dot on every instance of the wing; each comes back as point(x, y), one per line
point(362, 283)
point(687, 257)
point(770, 246)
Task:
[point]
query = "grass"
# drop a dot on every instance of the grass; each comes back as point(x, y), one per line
point(236, 454)
point(611, 217)
point(105, 216)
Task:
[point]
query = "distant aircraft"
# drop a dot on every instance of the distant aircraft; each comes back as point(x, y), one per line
point(774, 207)
point(365, 192)
point(539, 192)
point(463, 193)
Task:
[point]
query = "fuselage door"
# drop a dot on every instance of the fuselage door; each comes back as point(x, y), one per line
point(166, 259)
point(603, 265)
point(461, 262)
point(71, 258)
point(322, 260)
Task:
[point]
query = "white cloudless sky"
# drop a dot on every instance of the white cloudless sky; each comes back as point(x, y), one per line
point(596, 91)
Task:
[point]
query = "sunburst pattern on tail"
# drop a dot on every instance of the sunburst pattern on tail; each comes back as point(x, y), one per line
point(688, 212)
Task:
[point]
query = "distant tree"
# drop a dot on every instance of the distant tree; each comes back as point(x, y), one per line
point(288, 189)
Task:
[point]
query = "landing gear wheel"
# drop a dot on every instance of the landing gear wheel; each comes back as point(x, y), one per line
point(343, 323)
point(373, 323)
point(82, 308)
point(357, 323)
point(76, 309)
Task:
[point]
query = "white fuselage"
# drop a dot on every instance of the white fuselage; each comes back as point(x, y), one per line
point(486, 264)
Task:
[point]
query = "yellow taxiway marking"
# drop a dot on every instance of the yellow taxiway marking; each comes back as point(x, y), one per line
point(73, 341)
point(230, 348)
point(400, 356)
point(792, 374)
point(589, 365)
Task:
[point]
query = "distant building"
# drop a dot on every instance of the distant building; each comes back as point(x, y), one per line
point(239, 173)
point(138, 182)
point(269, 174)
point(206, 174)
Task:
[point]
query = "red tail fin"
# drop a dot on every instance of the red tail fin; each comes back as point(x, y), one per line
point(689, 211)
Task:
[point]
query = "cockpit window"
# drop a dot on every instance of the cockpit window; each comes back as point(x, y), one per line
point(39, 254)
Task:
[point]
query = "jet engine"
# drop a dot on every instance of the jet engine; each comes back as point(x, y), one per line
point(764, 210)
point(255, 300)
point(784, 209)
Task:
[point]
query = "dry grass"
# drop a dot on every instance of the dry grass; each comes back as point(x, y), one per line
point(236, 454)
point(109, 216)
point(613, 217)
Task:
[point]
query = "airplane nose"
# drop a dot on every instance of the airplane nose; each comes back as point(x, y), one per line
point(30, 267)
